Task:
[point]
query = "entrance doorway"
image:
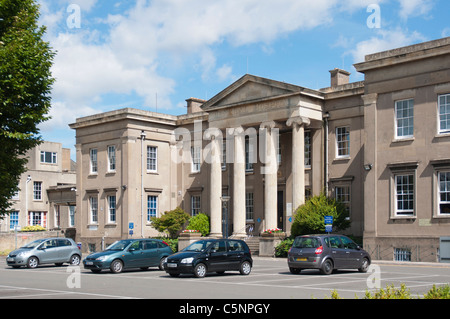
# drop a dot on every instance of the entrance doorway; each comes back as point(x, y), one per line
point(280, 209)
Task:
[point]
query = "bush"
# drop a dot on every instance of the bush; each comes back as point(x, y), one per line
point(282, 249)
point(438, 293)
point(199, 222)
point(171, 222)
point(309, 218)
point(32, 228)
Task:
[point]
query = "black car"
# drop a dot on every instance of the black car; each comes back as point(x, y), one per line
point(210, 255)
point(326, 253)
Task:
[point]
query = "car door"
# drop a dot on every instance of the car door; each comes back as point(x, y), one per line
point(352, 254)
point(65, 249)
point(135, 256)
point(337, 252)
point(217, 260)
point(48, 252)
point(235, 254)
point(151, 253)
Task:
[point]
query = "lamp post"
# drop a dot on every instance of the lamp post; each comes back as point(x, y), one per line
point(225, 200)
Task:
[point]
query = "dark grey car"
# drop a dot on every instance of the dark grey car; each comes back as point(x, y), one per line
point(326, 253)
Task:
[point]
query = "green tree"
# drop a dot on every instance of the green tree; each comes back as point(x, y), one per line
point(309, 218)
point(171, 222)
point(25, 85)
point(199, 222)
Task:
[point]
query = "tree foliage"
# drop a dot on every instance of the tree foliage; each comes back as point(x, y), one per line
point(25, 85)
point(309, 218)
point(171, 222)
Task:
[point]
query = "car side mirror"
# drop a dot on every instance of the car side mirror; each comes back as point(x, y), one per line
point(131, 250)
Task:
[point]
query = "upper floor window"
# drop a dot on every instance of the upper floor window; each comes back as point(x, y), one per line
point(404, 117)
point(111, 158)
point(37, 190)
point(444, 113)
point(152, 159)
point(93, 160)
point(342, 141)
point(196, 159)
point(49, 157)
point(308, 149)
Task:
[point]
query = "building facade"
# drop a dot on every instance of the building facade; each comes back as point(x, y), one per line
point(252, 154)
point(47, 191)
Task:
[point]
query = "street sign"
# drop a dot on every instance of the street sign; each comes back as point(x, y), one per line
point(131, 226)
point(328, 220)
point(328, 228)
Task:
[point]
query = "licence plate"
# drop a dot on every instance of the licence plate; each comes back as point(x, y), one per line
point(170, 265)
point(10, 259)
point(89, 263)
point(302, 259)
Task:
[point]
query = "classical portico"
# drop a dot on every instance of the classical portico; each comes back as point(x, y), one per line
point(260, 110)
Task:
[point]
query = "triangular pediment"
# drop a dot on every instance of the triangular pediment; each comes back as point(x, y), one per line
point(249, 89)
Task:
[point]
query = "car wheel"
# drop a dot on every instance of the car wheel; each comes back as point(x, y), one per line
point(75, 260)
point(32, 262)
point(246, 268)
point(294, 270)
point(200, 271)
point(161, 263)
point(327, 267)
point(364, 265)
point(116, 266)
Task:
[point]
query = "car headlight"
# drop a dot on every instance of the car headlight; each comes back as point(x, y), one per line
point(165, 260)
point(187, 260)
point(22, 254)
point(101, 258)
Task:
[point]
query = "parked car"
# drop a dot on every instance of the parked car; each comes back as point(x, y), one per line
point(45, 251)
point(326, 253)
point(129, 253)
point(210, 255)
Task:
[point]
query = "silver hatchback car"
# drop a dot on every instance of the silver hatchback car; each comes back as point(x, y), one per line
point(45, 251)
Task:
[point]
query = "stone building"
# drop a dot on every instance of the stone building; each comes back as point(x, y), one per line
point(381, 146)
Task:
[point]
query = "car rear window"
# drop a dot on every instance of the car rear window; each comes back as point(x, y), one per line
point(306, 242)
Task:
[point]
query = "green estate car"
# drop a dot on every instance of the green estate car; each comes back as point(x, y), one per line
point(129, 253)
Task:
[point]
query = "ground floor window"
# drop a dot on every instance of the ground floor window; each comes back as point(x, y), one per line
point(37, 219)
point(196, 205)
point(404, 195)
point(152, 207)
point(13, 220)
point(444, 193)
point(249, 206)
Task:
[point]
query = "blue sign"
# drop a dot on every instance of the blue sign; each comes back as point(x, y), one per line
point(131, 232)
point(328, 228)
point(130, 225)
point(328, 220)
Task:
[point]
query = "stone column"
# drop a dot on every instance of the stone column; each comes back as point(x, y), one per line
point(270, 174)
point(215, 188)
point(298, 159)
point(239, 184)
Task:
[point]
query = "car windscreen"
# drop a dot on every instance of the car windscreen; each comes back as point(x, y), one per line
point(306, 242)
point(200, 245)
point(119, 245)
point(33, 244)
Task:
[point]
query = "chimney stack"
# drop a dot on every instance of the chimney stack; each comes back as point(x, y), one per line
point(194, 105)
point(339, 77)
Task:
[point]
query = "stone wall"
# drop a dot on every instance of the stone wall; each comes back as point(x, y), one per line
point(9, 241)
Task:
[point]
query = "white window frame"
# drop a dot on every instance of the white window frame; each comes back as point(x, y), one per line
point(155, 209)
point(53, 157)
point(37, 191)
point(152, 159)
point(195, 159)
point(111, 158)
point(399, 196)
point(403, 106)
point(342, 144)
point(112, 209)
point(72, 215)
point(441, 191)
point(445, 114)
point(93, 161)
point(93, 210)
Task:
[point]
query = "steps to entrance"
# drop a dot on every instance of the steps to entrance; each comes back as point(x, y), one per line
point(253, 244)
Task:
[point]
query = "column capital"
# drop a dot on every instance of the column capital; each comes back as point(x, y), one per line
point(370, 99)
point(298, 120)
point(270, 125)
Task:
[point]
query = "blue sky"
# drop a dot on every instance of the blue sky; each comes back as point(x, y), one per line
point(153, 55)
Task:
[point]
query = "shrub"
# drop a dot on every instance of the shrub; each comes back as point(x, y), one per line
point(282, 249)
point(309, 218)
point(200, 222)
point(171, 222)
point(32, 228)
point(438, 293)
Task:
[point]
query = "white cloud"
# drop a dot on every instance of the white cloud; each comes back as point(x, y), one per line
point(414, 8)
